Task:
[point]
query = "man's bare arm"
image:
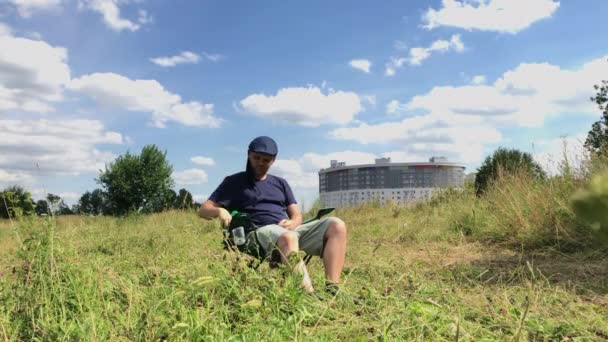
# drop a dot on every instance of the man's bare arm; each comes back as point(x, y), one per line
point(210, 210)
point(295, 217)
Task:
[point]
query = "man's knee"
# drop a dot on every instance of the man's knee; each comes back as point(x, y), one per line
point(288, 239)
point(336, 228)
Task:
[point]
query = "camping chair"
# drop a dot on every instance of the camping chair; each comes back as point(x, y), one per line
point(275, 257)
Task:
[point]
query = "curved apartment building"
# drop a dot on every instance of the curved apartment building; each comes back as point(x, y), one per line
point(342, 185)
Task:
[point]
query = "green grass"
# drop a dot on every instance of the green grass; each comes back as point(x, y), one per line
point(514, 265)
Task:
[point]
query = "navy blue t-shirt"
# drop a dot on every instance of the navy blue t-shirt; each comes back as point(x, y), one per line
point(265, 201)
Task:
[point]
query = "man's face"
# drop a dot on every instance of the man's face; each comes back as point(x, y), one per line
point(260, 162)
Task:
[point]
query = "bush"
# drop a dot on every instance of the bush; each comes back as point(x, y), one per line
point(16, 201)
point(138, 182)
point(505, 162)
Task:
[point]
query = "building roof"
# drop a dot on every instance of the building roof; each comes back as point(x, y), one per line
point(383, 162)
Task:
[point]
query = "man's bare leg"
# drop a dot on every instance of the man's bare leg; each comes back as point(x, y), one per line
point(288, 243)
point(335, 250)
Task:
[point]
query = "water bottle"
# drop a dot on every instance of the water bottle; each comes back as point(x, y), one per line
point(238, 235)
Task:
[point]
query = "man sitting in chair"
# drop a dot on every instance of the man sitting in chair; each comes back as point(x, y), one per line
point(271, 206)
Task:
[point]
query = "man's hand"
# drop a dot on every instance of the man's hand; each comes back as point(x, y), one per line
point(288, 224)
point(224, 217)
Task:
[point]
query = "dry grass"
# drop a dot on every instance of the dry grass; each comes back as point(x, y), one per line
point(514, 264)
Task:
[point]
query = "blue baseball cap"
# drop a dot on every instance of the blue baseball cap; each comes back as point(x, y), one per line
point(265, 145)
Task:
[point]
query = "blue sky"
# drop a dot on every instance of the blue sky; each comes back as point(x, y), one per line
point(83, 81)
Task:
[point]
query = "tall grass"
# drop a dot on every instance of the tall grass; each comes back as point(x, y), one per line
point(519, 211)
point(513, 264)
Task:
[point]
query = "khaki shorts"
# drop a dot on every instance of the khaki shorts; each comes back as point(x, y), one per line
point(311, 236)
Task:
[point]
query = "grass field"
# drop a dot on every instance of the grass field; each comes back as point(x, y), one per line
point(515, 264)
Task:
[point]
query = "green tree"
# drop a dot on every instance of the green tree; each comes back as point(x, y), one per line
point(137, 182)
point(64, 209)
point(597, 138)
point(93, 203)
point(98, 202)
point(16, 201)
point(171, 199)
point(57, 206)
point(75, 209)
point(184, 200)
point(502, 162)
point(85, 203)
point(42, 208)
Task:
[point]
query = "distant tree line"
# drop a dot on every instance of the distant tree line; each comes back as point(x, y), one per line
point(132, 183)
point(15, 201)
point(97, 202)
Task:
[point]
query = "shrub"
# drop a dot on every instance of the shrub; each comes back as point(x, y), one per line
point(505, 162)
point(138, 182)
point(16, 201)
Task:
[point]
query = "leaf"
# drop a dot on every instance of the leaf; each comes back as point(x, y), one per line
point(252, 304)
point(180, 326)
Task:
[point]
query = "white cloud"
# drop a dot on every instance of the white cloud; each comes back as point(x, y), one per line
point(32, 74)
point(29, 148)
point(399, 45)
point(190, 176)
point(18, 177)
point(33, 35)
point(144, 18)
point(462, 122)
point(70, 196)
point(145, 96)
point(199, 198)
point(27, 7)
point(213, 57)
point(292, 171)
point(369, 101)
point(394, 64)
point(186, 57)
point(509, 16)
point(419, 54)
point(200, 160)
point(478, 79)
point(304, 106)
point(313, 162)
point(5, 30)
point(302, 174)
point(551, 154)
point(361, 64)
point(415, 154)
point(462, 139)
point(110, 12)
point(525, 96)
point(394, 107)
